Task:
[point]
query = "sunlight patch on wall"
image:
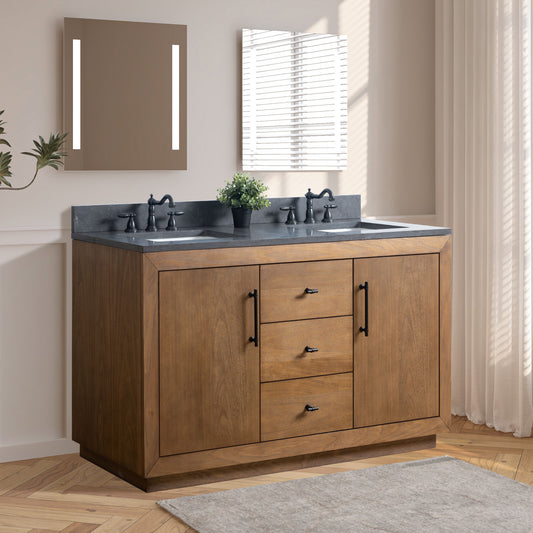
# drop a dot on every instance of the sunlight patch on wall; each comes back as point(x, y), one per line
point(354, 20)
point(320, 26)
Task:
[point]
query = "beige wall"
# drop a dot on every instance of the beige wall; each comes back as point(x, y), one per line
point(391, 159)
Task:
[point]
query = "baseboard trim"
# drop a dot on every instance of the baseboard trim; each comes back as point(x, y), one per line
point(34, 450)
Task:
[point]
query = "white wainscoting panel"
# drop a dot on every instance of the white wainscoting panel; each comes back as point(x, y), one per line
point(34, 344)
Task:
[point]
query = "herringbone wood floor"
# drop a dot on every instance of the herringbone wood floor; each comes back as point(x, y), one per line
point(68, 494)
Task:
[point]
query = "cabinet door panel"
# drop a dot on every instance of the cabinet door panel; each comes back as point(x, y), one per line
point(209, 370)
point(396, 369)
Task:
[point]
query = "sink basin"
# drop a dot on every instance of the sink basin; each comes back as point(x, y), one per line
point(369, 226)
point(188, 235)
point(181, 239)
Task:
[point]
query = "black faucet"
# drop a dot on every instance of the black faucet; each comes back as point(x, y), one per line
point(309, 215)
point(152, 202)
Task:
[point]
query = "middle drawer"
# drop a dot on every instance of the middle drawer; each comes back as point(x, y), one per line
point(306, 348)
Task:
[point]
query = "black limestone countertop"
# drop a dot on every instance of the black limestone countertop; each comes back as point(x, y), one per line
point(208, 225)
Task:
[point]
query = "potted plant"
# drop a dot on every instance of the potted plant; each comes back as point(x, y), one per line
point(243, 194)
point(46, 153)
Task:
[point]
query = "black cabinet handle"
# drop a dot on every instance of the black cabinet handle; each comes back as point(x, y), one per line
point(255, 339)
point(310, 350)
point(311, 291)
point(364, 286)
point(311, 408)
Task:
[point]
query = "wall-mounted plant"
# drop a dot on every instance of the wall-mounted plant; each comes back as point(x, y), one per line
point(46, 153)
point(243, 194)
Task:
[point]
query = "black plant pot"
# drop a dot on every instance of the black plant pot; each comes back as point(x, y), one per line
point(241, 217)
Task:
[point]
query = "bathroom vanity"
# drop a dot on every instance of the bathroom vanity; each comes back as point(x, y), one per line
point(258, 350)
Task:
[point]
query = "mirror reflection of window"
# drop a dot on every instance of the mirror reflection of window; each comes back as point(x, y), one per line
point(294, 89)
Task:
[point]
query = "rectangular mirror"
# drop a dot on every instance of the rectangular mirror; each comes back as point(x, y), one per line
point(124, 95)
point(294, 100)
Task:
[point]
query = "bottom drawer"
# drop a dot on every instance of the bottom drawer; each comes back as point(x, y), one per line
point(283, 406)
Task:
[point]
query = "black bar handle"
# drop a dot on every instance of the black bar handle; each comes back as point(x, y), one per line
point(311, 291)
point(311, 408)
point(255, 339)
point(308, 349)
point(364, 286)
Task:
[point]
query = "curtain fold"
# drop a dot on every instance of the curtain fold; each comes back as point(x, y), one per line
point(484, 159)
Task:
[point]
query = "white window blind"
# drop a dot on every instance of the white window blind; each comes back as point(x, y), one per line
point(294, 89)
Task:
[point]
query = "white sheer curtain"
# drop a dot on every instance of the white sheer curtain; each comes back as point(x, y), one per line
point(484, 164)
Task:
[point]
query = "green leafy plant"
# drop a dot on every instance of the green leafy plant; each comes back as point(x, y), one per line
point(47, 154)
point(244, 191)
point(5, 172)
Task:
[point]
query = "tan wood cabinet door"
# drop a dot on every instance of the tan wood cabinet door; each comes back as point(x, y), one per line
point(209, 369)
point(396, 366)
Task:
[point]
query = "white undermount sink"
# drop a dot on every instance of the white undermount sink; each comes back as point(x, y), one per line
point(181, 239)
point(369, 226)
point(188, 235)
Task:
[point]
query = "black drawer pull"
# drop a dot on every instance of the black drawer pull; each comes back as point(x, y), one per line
point(311, 408)
point(255, 339)
point(364, 287)
point(311, 291)
point(308, 349)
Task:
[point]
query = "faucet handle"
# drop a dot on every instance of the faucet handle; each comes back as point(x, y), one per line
point(291, 218)
point(171, 226)
point(327, 213)
point(130, 228)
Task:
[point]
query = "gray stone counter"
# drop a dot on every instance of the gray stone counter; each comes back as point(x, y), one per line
point(209, 225)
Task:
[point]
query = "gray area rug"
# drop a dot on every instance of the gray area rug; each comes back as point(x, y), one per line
point(433, 495)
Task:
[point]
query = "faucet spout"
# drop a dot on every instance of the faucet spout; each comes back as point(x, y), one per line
point(309, 214)
point(152, 202)
point(170, 201)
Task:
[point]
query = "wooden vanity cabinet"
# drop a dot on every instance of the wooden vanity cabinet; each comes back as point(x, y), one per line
point(170, 389)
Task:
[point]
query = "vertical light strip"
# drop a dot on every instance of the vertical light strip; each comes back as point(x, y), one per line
point(175, 97)
point(76, 94)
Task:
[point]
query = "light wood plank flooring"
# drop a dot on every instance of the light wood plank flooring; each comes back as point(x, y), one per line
point(68, 494)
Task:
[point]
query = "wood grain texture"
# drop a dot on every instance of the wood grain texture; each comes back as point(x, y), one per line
point(524, 472)
point(283, 354)
point(445, 317)
point(82, 494)
point(289, 253)
point(278, 449)
point(209, 370)
point(107, 353)
point(283, 295)
point(396, 369)
point(134, 372)
point(283, 403)
point(289, 463)
point(150, 339)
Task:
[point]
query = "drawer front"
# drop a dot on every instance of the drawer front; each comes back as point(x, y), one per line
point(306, 348)
point(283, 406)
point(314, 289)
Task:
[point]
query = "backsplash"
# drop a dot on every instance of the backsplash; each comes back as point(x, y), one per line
point(89, 218)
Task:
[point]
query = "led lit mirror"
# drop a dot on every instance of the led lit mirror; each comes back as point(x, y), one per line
point(294, 100)
point(124, 95)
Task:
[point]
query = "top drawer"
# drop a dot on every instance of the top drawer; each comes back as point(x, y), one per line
point(314, 289)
